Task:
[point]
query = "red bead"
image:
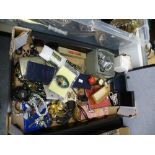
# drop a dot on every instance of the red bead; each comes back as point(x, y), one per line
point(92, 80)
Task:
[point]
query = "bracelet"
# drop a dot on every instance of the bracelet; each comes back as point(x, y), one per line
point(35, 100)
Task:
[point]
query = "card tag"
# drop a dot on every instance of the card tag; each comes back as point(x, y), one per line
point(80, 80)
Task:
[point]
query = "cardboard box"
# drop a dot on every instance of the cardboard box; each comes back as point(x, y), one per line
point(95, 113)
point(120, 131)
point(71, 53)
point(75, 57)
point(80, 63)
point(13, 130)
point(20, 37)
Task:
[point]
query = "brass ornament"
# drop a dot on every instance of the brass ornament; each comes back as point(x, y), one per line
point(56, 108)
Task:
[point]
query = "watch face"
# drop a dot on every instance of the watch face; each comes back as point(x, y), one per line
point(62, 81)
point(104, 62)
point(23, 94)
point(108, 66)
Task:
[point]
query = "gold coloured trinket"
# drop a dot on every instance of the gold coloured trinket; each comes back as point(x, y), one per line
point(56, 109)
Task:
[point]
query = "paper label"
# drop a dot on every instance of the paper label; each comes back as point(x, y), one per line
point(70, 76)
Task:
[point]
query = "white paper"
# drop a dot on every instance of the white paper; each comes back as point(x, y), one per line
point(46, 53)
point(21, 40)
point(127, 111)
point(51, 55)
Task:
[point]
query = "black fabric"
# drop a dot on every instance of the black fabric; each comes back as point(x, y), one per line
point(4, 79)
point(119, 82)
point(39, 73)
point(126, 98)
point(87, 128)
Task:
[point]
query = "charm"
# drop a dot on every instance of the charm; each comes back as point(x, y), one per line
point(114, 98)
point(62, 112)
point(56, 108)
point(101, 82)
point(62, 81)
point(18, 51)
point(69, 111)
point(21, 94)
point(17, 73)
point(43, 121)
point(92, 80)
point(35, 87)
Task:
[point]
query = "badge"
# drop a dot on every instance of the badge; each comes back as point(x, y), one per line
point(62, 81)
